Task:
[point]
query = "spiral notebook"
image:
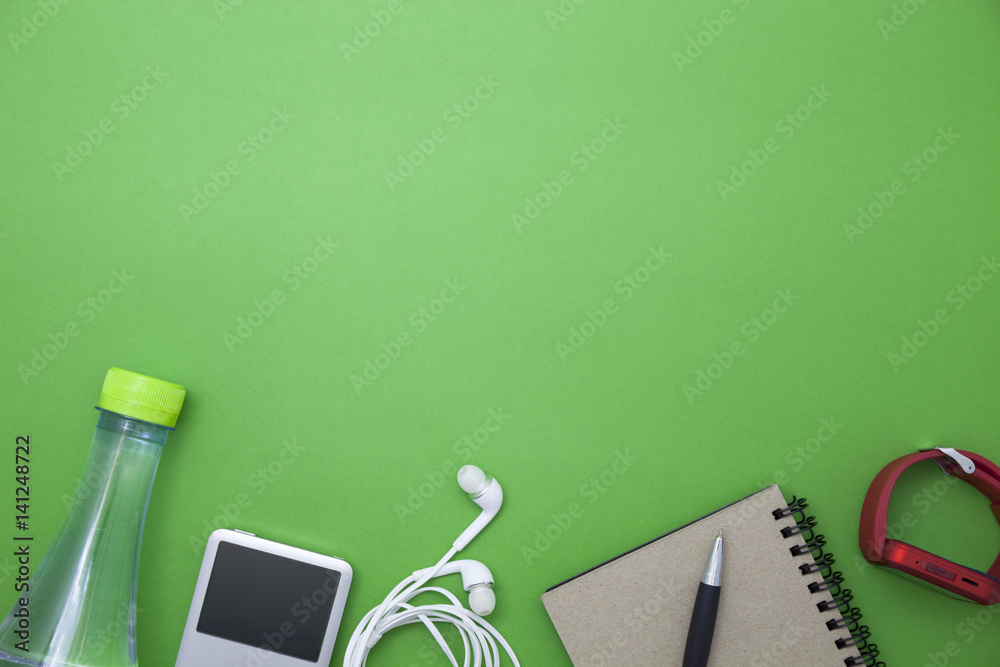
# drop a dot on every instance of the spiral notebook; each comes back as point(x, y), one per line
point(782, 603)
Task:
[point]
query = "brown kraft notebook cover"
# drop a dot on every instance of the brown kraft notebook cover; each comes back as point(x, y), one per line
point(781, 602)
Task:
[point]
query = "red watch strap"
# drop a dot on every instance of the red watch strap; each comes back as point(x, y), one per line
point(987, 480)
point(875, 512)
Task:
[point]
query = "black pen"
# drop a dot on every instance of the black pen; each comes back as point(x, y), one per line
point(706, 607)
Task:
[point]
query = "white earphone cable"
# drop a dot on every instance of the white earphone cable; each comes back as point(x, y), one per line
point(477, 635)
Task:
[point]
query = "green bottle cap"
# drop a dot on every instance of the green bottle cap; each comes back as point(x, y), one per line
point(141, 397)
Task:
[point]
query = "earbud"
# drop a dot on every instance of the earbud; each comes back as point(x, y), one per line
point(477, 580)
point(485, 492)
point(480, 639)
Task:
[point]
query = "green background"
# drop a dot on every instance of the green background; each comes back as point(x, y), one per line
point(329, 123)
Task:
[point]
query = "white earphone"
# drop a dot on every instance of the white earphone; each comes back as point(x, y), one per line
point(477, 580)
point(485, 492)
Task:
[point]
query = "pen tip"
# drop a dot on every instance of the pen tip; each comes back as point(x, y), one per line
point(720, 532)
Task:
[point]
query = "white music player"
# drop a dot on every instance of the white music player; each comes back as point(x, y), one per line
point(261, 603)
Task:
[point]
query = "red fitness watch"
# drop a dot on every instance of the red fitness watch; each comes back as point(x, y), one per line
point(983, 588)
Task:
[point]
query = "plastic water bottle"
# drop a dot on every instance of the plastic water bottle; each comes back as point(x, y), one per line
point(78, 609)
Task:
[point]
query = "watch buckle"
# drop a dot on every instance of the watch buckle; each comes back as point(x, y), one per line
point(963, 461)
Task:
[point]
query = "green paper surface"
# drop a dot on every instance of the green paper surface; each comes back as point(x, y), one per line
point(635, 261)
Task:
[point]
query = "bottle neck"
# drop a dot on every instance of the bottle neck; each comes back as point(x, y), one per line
point(130, 427)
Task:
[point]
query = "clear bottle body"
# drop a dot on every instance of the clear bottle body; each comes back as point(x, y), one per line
point(82, 596)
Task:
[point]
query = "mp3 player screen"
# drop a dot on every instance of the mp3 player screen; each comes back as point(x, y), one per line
point(268, 601)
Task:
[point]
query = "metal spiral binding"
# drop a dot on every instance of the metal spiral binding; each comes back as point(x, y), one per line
point(859, 636)
point(845, 620)
point(822, 563)
point(795, 507)
point(816, 544)
point(841, 603)
point(869, 655)
point(804, 526)
point(833, 581)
